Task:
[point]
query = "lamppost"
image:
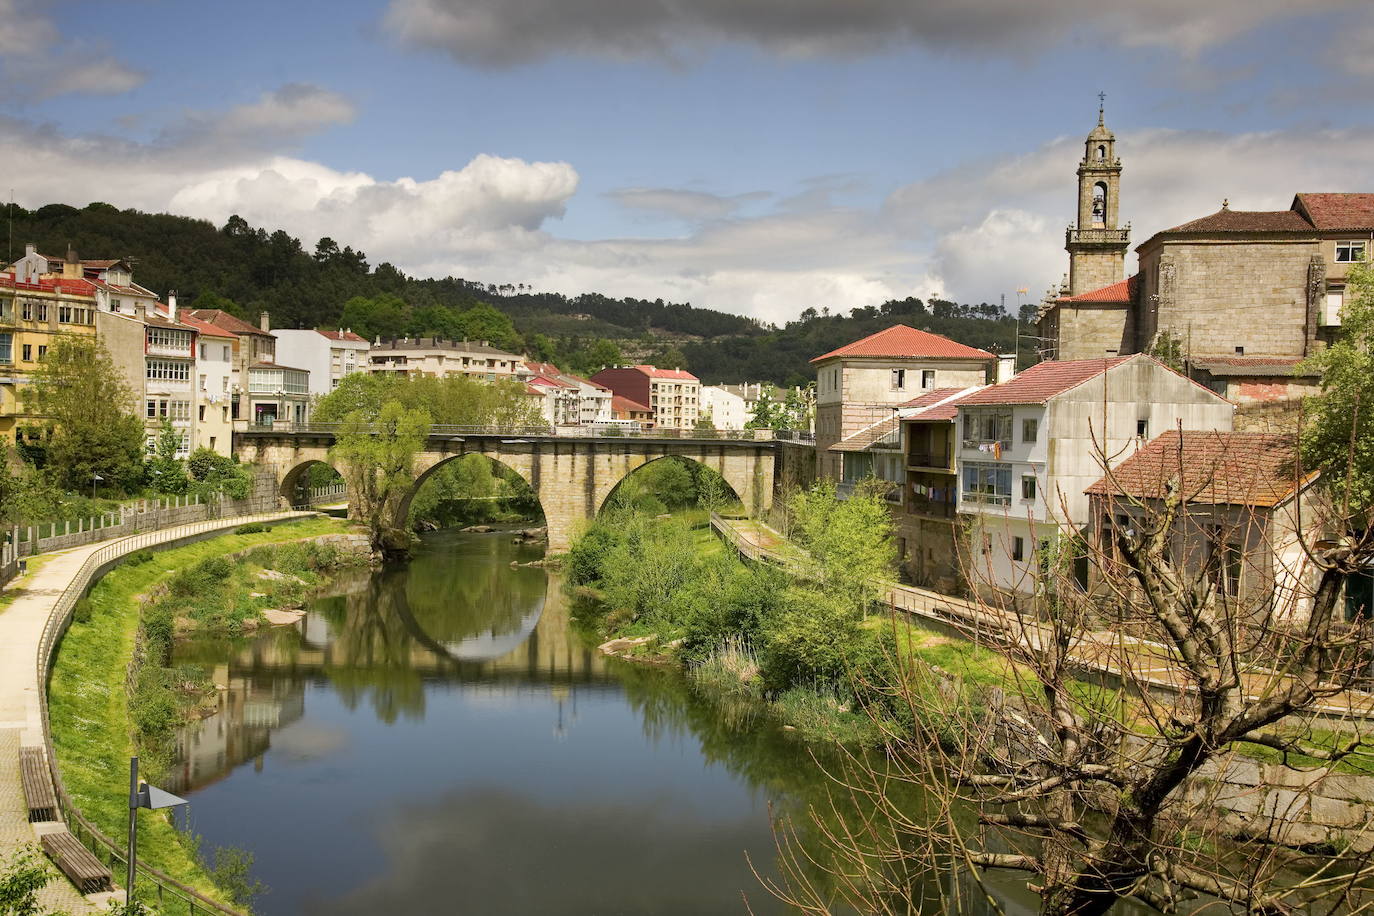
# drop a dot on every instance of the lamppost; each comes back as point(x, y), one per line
point(141, 795)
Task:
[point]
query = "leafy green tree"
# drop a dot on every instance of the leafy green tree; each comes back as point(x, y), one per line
point(213, 473)
point(484, 322)
point(455, 400)
point(671, 358)
point(166, 472)
point(592, 359)
point(22, 875)
point(1338, 432)
point(385, 316)
point(767, 411)
point(378, 460)
point(704, 424)
point(78, 390)
point(849, 541)
point(1167, 347)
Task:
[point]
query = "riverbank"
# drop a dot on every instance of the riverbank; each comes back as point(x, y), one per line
point(94, 702)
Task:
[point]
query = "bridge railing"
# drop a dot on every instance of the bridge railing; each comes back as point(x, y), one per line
point(595, 431)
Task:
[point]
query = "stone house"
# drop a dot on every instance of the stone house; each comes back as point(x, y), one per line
point(1028, 448)
point(868, 381)
point(1246, 505)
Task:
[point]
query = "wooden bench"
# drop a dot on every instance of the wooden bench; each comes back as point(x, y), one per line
point(37, 782)
point(77, 862)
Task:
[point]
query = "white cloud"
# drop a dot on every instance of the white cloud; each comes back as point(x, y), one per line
point(36, 62)
point(971, 233)
point(507, 32)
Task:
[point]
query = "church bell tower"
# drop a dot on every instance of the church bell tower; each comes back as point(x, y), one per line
point(1097, 248)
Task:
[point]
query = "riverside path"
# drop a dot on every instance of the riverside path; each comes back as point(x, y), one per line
point(29, 602)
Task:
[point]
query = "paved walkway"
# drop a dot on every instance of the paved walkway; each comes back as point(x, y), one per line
point(1100, 650)
point(33, 596)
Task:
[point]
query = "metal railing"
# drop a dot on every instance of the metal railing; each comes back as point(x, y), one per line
point(183, 899)
point(439, 430)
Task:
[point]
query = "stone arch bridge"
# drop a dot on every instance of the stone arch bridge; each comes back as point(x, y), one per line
point(572, 475)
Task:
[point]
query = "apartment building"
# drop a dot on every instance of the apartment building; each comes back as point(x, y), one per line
point(262, 390)
point(864, 382)
point(674, 395)
point(35, 311)
point(724, 408)
point(214, 385)
point(1028, 448)
point(438, 357)
point(329, 356)
point(169, 394)
point(566, 399)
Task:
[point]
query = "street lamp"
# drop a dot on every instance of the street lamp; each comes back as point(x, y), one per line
point(142, 795)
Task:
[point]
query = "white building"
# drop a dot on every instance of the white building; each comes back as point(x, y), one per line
point(438, 357)
point(1028, 448)
point(328, 356)
point(566, 400)
point(725, 409)
point(214, 385)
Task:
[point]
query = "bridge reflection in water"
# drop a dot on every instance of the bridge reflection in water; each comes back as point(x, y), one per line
point(377, 639)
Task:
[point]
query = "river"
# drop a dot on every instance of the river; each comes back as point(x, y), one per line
point(437, 737)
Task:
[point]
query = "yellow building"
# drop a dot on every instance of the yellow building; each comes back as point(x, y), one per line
point(35, 312)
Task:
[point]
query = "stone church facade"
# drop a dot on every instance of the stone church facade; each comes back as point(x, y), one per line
point(1243, 296)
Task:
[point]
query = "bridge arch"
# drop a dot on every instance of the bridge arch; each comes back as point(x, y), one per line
point(295, 481)
point(688, 462)
point(429, 466)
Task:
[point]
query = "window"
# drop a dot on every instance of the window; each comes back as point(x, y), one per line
point(201, 413)
point(204, 379)
point(6, 348)
point(152, 408)
point(42, 351)
point(898, 379)
point(1142, 428)
point(115, 305)
point(7, 308)
point(1240, 351)
point(72, 314)
point(1028, 486)
point(204, 353)
point(1349, 252)
point(984, 428)
point(927, 378)
point(1030, 428)
point(170, 339)
point(226, 354)
point(33, 311)
point(169, 370)
point(1018, 549)
point(984, 482)
point(28, 353)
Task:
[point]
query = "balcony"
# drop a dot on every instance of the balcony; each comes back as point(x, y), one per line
point(177, 351)
point(938, 460)
point(1107, 238)
point(985, 499)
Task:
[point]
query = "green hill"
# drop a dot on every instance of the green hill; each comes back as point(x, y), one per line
point(246, 270)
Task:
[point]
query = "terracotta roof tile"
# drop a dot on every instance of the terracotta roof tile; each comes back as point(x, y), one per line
point(1122, 293)
point(204, 328)
point(655, 372)
point(1337, 211)
point(1227, 220)
point(621, 403)
point(226, 322)
point(933, 397)
point(341, 335)
point(1212, 467)
point(1042, 381)
point(946, 410)
point(903, 341)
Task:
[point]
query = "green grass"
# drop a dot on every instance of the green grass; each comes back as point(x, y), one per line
point(90, 717)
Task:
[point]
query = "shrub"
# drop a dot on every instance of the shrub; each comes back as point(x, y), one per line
point(251, 528)
point(81, 612)
point(138, 558)
point(588, 553)
point(809, 641)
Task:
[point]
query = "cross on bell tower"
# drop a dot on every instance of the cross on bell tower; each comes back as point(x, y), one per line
point(1096, 246)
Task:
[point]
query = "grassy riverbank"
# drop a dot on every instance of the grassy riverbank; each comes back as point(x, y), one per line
point(92, 712)
point(802, 648)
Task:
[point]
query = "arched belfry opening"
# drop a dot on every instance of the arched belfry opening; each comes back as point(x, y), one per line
point(1100, 204)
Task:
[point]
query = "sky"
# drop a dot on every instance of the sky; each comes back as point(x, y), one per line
point(756, 156)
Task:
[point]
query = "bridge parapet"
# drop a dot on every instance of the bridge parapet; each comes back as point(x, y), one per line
point(544, 432)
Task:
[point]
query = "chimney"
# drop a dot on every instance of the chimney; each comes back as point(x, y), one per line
point(30, 248)
point(71, 268)
point(264, 322)
point(171, 305)
point(1006, 367)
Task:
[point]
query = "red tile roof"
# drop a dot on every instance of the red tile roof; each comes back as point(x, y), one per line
point(932, 397)
point(1042, 381)
point(341, 335)
point(946, 410)
point(226, 322)
point(902, 341)
point(1118, 293)
point(655, 372)
point(1211, 467)
point(205, 328)
point(625, 405)
point(54, 284)
point(1337, 211)
point(1228, 220)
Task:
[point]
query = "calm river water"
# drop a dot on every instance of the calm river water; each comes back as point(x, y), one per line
point(436, 738)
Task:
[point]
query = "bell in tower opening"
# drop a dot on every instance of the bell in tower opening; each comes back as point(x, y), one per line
point(1097, 241)
point(1099, 205)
